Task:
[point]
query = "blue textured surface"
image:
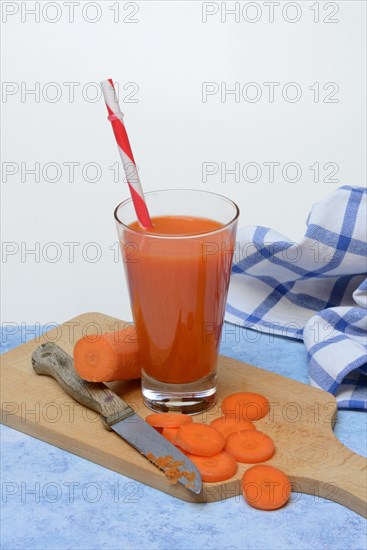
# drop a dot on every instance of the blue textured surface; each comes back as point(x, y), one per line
point(76, 504)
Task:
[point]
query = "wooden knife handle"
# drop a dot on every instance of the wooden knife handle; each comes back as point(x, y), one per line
point(51, 360)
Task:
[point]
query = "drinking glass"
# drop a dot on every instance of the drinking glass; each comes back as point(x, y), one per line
point(178, 284)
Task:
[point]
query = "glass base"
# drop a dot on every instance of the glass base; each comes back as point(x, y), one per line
point(189, 398)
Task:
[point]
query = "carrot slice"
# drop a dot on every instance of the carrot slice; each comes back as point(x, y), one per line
point(228, 424)
point(250, 446)
point(200, 439)
point(170, 434)
point(265, 487)
point(245, 405)
point(168, 420)
point(108, 357)
point(214, 468)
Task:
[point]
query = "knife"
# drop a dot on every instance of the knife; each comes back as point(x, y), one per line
point(117, 415)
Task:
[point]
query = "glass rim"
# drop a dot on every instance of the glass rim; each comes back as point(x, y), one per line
point(192, 235)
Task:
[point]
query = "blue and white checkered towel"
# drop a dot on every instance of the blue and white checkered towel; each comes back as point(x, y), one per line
point(315, 290)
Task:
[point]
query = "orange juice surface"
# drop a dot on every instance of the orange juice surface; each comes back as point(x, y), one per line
point(178, 287)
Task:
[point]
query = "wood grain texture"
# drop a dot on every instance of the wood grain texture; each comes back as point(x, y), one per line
point(300, 422)
point(51, 360)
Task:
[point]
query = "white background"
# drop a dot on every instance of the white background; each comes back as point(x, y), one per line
point(169, 52)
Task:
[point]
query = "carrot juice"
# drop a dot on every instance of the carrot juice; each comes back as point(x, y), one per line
point(178, 274)
point(178, 290)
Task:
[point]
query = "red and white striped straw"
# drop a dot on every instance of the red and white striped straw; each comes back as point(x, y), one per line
point(116, 117)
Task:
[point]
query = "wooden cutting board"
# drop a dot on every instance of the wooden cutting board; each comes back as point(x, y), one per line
point(300, 422)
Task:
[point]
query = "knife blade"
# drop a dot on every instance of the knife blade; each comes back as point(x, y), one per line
point(49, 359)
